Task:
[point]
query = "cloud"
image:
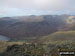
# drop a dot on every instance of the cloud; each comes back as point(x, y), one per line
point(6, 11)
point(11, 12)
point(17, 3)
point(55, 4)
point(40, 4)
point(23, 7)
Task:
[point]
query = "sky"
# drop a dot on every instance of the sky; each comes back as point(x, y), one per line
point(36, 7)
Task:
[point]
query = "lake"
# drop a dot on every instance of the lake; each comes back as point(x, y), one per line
point(4, 38)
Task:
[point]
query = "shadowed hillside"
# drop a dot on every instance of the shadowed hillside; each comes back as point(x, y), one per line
point(30, 27)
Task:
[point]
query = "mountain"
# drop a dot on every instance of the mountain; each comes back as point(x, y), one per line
point(31, 27)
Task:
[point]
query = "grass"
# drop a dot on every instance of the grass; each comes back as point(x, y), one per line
point(59, 37)
point(55, 38)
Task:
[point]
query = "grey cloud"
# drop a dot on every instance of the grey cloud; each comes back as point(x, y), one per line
point(39, 5)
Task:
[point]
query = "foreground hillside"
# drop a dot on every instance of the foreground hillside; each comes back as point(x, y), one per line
point(5, 44)
point(33, 49)
point(59, 37)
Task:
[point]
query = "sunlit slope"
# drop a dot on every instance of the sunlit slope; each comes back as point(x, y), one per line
point(65, 36)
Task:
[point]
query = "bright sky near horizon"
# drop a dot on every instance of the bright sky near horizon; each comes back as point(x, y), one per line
point(36, 7)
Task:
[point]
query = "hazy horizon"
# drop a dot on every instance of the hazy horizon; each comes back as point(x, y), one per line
point(9, 8)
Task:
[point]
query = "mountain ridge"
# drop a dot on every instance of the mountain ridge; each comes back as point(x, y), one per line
point(24, 27)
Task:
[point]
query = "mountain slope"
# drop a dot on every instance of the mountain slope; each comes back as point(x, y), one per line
point(30, 27)
point(59, 37)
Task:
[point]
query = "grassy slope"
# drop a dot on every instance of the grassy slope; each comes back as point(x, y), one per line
point(59, 37)
point(4, 44)
point(55, 38)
